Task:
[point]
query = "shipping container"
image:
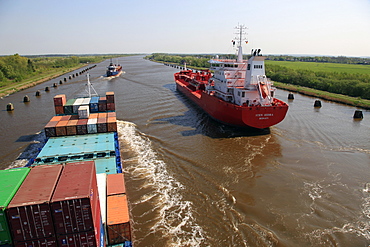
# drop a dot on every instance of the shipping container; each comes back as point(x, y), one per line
point(65, 118)
point(80, 239)
point(71, 127)
point(10, 181)
point(76, 201)
point(83, 147)
point(86, 102)
point(111, 114)
point(55, 118)
point(68, 107)
point(50, 128)
point(28, 212)
point(82, 127)
point(83, 111)
point(111, 124)
point(118, 219)
point(60, 128)
point(94, 104)
point(102, 104)
point(106, 165)
point(102, 187)
point(77, 104)
point(60, 100)
point(111, 107)
point(116, 184)
point(102, 125)
point(110, 97)
point(94, 115)
point(44, 242)
point(59, 110)
point(91, 126)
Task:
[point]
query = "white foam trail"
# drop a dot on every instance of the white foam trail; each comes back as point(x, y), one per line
point(175, 221)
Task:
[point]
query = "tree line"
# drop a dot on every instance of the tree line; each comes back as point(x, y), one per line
point(16, 68)
point(355, 85)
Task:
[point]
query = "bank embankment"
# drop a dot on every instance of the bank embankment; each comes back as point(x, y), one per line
point(339, 98)
point(45, 76)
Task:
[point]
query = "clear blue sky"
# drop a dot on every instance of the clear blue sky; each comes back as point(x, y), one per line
point(315, 27)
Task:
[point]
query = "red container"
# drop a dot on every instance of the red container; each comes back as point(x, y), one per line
point(60, 128)
point(45, 242)
point(60, 100)
point(102, 104)
point(29, 212)
point(71, 127)
point(59, 109)
point(65, 118)
point(82, 126)
point(111, 107)
point(115, 184)
point(75, 203)
point(50, 128)
point(118, 220)
point(110, 97)
point(102, 125)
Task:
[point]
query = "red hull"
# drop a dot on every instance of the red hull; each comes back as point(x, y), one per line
point(241, 116)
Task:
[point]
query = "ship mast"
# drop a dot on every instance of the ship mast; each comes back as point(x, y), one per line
point(90, 87)
point(240, 39)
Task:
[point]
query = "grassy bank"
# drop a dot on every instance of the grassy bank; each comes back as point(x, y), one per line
point(358, 102)
point(37, 79)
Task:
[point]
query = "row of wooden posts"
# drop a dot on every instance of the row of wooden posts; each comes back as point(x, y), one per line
point(357, 115)
point(26, 98)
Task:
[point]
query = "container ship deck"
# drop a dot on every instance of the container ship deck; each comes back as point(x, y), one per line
point(73, 193)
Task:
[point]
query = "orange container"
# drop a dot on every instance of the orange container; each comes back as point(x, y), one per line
point(102, 115)
point(71, 127)
point(118, 219)
point(111, 124)
point(112, 114)
point(55, 118)
point(60, 128)
point(116, 184)
point(94, 115)
point(65, 118)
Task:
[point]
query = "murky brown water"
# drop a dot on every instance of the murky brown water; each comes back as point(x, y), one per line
point(194, 182)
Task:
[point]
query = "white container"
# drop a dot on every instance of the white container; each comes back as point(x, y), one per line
point(92, 125)
point(102, 190)
point(77, 104)
point(83, 111)
point(86, 101)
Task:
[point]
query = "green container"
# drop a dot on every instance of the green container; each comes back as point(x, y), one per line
point(10, 181)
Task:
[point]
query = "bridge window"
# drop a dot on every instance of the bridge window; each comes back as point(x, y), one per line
point(257, 66)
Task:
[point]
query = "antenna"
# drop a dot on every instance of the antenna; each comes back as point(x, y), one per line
point(89, 86)
point(240, 32)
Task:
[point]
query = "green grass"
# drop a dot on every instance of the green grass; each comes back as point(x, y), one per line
point(324, 67)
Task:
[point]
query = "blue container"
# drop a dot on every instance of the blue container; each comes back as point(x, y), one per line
point(94, 104)
point(77, 148)
point(106, 165)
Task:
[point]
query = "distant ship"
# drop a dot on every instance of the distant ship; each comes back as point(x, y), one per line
point(238, 93)
point(114, 70)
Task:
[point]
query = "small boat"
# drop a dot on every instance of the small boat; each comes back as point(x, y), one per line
point(237, 93)
point(114, 69)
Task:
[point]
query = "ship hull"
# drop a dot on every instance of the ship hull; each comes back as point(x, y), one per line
point(240, 116)
point(114, 73)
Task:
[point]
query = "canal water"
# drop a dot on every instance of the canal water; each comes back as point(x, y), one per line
point(194, 182)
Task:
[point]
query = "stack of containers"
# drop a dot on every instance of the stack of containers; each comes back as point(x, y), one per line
point(68, 107)
point(102, 104)
point(118, 219)
point(29, 214)
point(76, 208)
point(92, 126)
point(110, 101)
point(59, 102)
point(94, 104)
point(10, 181)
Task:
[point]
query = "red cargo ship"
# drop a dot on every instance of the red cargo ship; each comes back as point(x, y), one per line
point(238, 93)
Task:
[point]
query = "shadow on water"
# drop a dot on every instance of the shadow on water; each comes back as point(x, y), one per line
point(203, 124)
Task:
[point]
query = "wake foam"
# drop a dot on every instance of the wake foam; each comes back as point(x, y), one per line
point(174, 220)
